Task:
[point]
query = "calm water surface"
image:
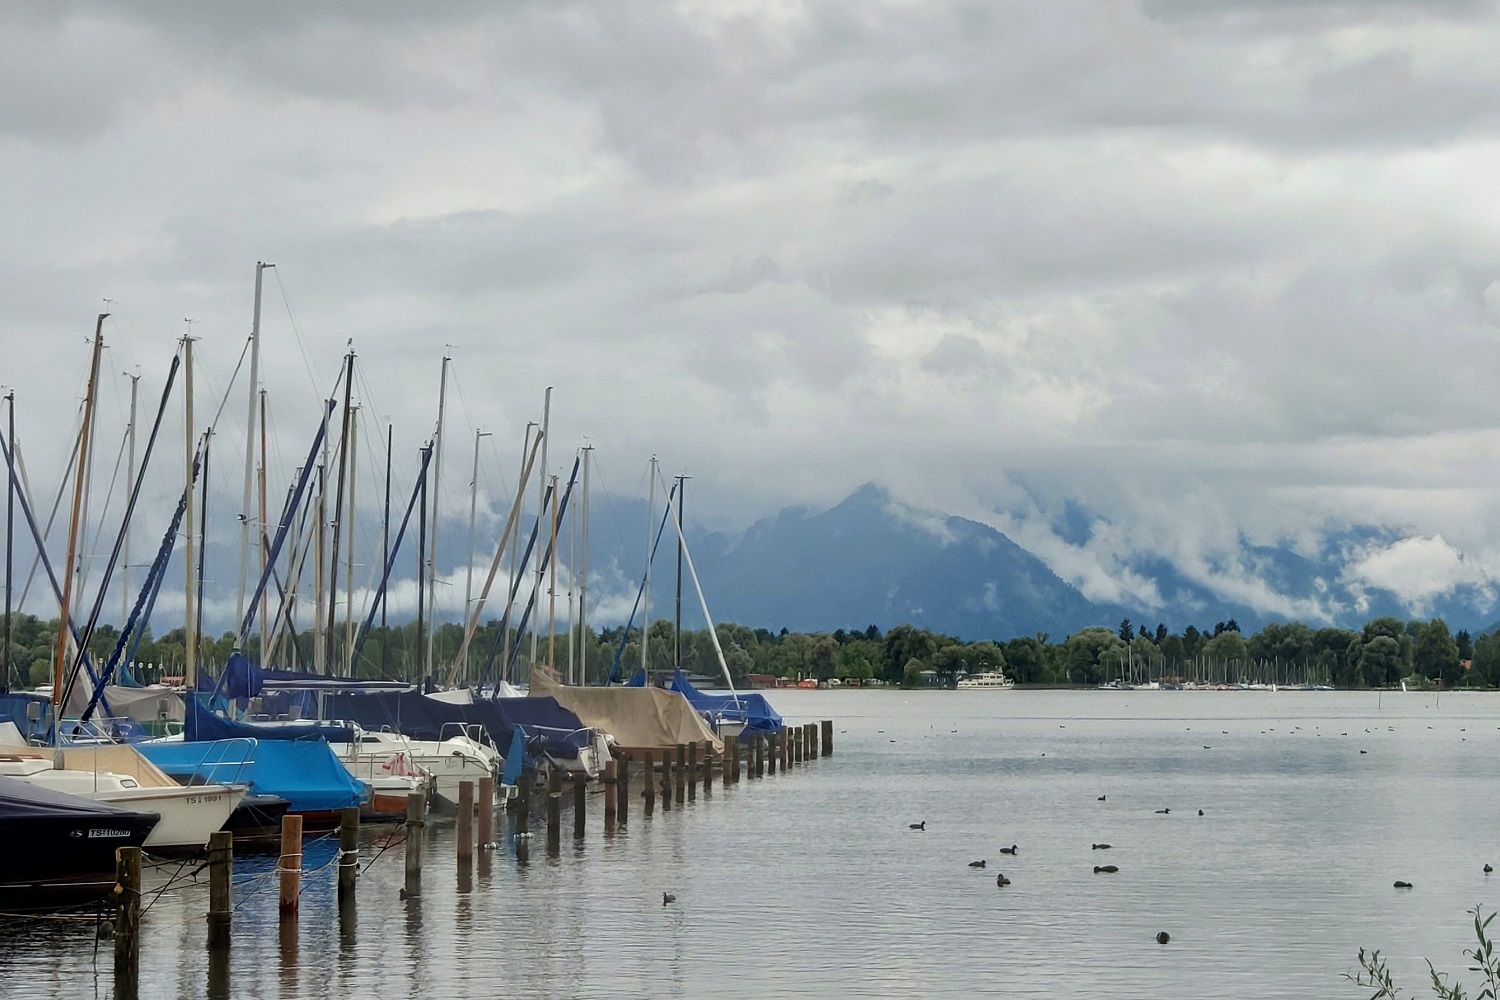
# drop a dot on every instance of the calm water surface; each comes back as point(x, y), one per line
point(811, 884)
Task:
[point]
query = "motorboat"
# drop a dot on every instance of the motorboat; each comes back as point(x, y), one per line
point(189, 815)
point(69, 844)
point(456, 758)
point(993, 679)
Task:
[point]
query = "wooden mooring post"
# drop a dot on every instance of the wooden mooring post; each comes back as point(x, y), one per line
point(666, 779)
point(679, 774)
point(554, 811)
point(648, 779)
point(486, 812)
point(611, 791)
point(290, 865)
point(692, 772)
point(622, 791)
point(348, 851)
point(812, 740)
point(416, 827)
point(465, 824)
point(708, 768)
point(127, 920)
point(827, 737)
point(580, 805)
point(760, 756)
point(800, 745)
point(727, 765)
point(220, 892)
point(772, 752)
point(522, 805)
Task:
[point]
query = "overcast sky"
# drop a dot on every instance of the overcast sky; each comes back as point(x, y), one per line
point(1206, 267)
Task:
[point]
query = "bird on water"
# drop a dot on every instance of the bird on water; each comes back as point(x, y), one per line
point(1100, 847)
point(1200, 812)
point(1105, 869)
point(1101, 798)
point(1001, 881)
point(668, 897)
point(1008, 850)
point(1488, 869)
point(977, 864)
point(919, 826)
point(1402, 885)
point(1162, 937)
point(1162, 812)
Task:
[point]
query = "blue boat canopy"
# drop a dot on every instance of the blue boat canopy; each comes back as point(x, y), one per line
point(307, 774)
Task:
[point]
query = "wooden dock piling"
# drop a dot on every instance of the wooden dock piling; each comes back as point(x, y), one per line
point(291, 866)
point(800, 750)
point(622, 791)
point(348, 851)
point(554, 811)
point(648, 779)
point(772, 752)
point(220, 894)
point(580, 805)
point(708, 768)
point(679, 774)
point(692, 772)
point(611, 793)
point(666, 779)
point(416, 827)
point(727, 765)
point(486, 812)
point(127, 919)
point(522, 805)
point(827, 737)
point(465, 824)
point(812, 740)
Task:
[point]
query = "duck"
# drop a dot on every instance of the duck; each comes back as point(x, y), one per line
point(1402, 885)
point(1105, 869)
point(977, 864)
point(1162, 812)
point(1162, 937)
point(668, 897)
point(1008, 850)
point(1100, 847)
point(1488, 869)
point(1200, 812)
point(918, 826)
point(1101, 798)
point(1001, 881)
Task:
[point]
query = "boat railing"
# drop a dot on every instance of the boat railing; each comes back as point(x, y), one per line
point(473, 731)
point(216, 756)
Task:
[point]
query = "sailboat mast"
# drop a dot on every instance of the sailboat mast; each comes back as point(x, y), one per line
point(514, 539)
point(338, 500)
point(207, 441)
point(247, 498)
point(129, 490)
point(541, 493)
point(552, 584)
point(646, 587)
point(262, 541)
point(437, 470)
point(421, 551)
point(320, 556)
point(469, 562)
point(385, 549)
point(63, 626)
point(583, 575)
point(10, 529)
point(349, 550)
point(677, 619)
point(190, 591)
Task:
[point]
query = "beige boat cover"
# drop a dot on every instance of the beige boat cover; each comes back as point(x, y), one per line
point(118, 758)
point(639, 718)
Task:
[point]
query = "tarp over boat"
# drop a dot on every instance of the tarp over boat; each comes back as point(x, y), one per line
point(638, 718)
point(547, 727)
point(760, 718)
point(116, 758)
point(202, 725)
point(307, 774)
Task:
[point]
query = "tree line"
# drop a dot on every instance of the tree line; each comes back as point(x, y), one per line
point(1384, 653)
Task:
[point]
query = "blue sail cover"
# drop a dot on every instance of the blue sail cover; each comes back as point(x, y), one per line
point(546, 727)
point(307, 774)
point(201, 724)
point(760, 718)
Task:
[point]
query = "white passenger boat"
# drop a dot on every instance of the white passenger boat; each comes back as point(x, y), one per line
point(987, 679)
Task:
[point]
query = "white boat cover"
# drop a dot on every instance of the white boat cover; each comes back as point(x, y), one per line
point(643, 718)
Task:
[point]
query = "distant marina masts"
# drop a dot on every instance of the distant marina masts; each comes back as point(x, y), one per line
point(541, 497)
point(247, 518)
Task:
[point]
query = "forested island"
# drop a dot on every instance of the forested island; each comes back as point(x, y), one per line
point(1384, 653)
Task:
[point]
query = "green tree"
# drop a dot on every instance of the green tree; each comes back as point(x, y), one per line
point(911, 674)
point(1228, 647)
point(1486, 662)
point(904, 643)
point(1380, 662)
point(1435, 654)
point(1089, 652)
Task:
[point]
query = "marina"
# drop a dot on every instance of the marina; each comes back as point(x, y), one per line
point(1270, 893)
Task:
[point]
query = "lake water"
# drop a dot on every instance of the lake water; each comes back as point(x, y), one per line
point(811, 884)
